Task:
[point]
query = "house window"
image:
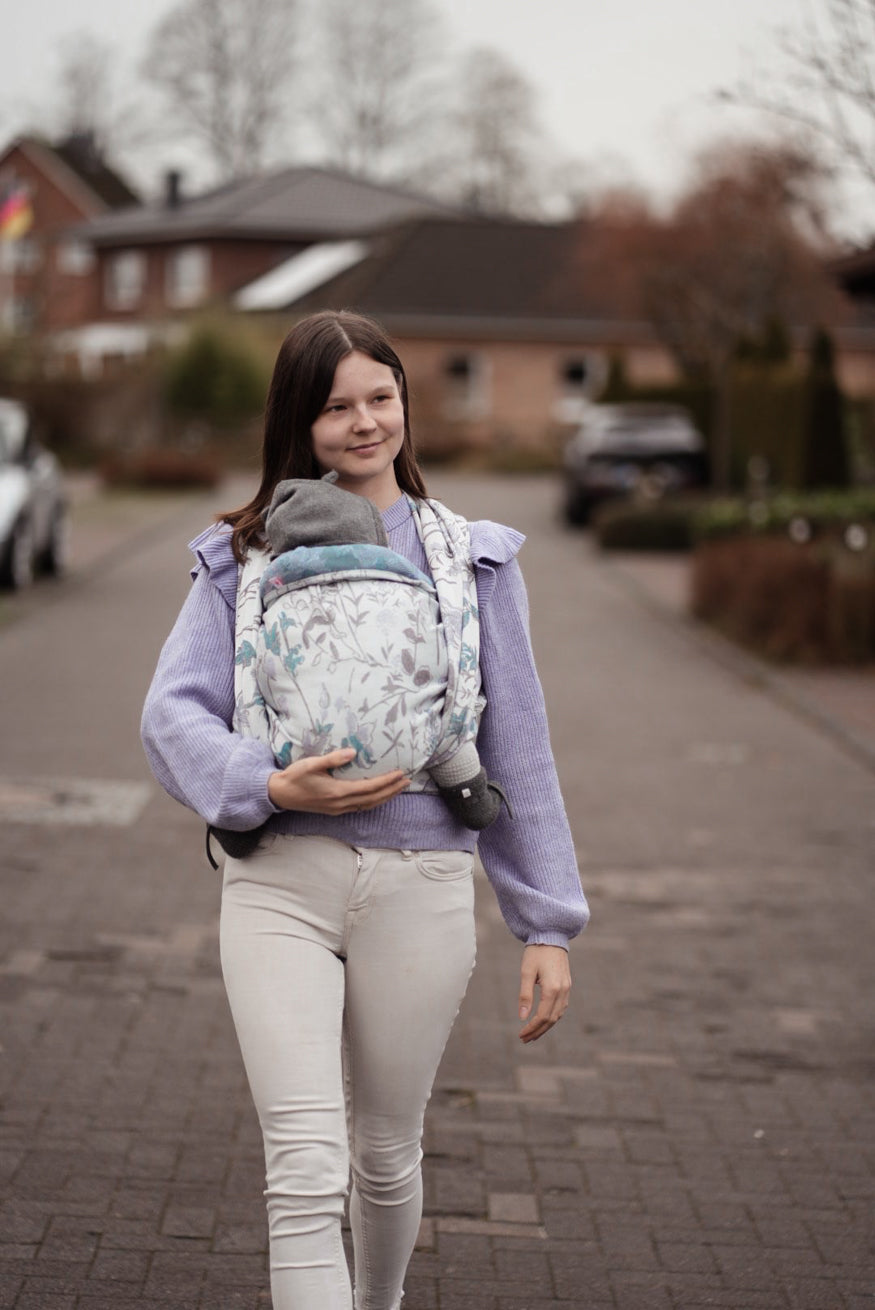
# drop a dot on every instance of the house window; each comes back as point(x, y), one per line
point(466, 386)
point(574, 374)
point(125, 279)
point(75, 258)
point(188, 276)
point(579, 376)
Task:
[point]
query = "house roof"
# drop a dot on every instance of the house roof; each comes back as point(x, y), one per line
point(78, 152)
point(77, 167)
point(292, 204)
point(478, 274)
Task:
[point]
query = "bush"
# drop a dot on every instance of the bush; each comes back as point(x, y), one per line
point(812, 602)
point(632, 525)
point(823, 511)
point(216, 376)
point(162, 468)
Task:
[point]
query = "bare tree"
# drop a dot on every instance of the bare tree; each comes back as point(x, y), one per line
point(224, 68)
point(496, 136)
point(828, 87)
point(376, 100)
point(89, 102)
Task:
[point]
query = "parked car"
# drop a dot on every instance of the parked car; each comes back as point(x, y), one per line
point(33, 506)
point(631, 449)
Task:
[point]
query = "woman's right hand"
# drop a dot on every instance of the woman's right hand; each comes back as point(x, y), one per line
point(308, 785)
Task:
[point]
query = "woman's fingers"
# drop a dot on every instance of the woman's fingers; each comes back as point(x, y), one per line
point(547, 968)
point(309, 785)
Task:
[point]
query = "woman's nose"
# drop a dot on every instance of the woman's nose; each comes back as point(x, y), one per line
point(363, 419)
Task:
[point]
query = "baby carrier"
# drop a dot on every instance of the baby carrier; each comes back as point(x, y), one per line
point(345, 643)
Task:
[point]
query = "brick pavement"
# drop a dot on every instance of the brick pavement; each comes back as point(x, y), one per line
point(698, 1130)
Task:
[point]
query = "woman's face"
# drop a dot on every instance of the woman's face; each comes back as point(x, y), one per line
point(361, 429)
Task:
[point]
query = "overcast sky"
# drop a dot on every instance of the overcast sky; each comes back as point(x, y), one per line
point(625, 85)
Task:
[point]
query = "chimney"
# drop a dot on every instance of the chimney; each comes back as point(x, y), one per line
point(173, 188)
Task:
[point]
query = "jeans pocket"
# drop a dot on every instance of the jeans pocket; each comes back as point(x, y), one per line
point(444, 866)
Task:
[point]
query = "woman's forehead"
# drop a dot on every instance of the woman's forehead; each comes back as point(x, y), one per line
point(359, 371)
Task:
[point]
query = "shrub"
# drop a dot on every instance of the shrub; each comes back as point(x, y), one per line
point(162, 467)
point(822, 511)
point(825, 460)
point(809, 602)
point(217, 377)
point(633, 525)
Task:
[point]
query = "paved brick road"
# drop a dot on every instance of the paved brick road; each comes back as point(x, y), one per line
point(697, 1132)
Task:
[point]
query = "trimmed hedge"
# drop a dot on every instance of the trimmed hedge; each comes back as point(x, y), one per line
point(665, 525)
point(162, 467)
point(811, 602)
point(820, 511)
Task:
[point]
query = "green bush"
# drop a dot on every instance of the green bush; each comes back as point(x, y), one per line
point(217, 376)
point(635, 525)
point(820, 511)
point(825, 453)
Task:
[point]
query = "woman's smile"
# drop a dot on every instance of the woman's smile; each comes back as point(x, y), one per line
point(360, 429)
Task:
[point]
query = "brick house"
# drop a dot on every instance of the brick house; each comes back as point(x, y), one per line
point(501, 329)
point(48, 276)
point(157, 261)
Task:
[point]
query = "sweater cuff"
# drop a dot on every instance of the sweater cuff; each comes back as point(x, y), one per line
point(538, 938)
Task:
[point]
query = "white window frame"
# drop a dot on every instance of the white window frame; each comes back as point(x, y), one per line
point(75, 258)
point(125, 279)
point(467, 394)
point(187, 276)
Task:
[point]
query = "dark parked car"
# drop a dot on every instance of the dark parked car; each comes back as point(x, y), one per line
point(33, 507)
point(631, 449)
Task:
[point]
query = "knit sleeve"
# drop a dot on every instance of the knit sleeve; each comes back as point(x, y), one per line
point(213, 555)
point(186, 723)
point(491, 544)
point(530, 858)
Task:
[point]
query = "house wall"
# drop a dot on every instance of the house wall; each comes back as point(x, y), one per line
point(522, 399)
point(45, 297)
point(232, 264)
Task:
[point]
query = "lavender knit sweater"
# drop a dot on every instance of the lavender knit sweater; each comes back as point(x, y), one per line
point(223, 776)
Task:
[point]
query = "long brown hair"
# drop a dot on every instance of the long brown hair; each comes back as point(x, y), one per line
point(302, 379)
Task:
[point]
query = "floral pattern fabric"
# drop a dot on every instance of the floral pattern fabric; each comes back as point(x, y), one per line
point(354, 646)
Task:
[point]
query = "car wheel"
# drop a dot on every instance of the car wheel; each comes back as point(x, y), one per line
point(17, 568)
point(55, 555)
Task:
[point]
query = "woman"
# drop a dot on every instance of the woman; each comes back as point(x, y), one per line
point(347, 937)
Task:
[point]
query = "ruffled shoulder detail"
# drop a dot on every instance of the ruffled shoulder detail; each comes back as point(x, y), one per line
point(213, 553)
point(491, 544)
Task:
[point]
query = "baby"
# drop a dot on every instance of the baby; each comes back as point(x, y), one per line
point(351, 652)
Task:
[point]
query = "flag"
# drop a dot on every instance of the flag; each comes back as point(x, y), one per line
point(16, 213)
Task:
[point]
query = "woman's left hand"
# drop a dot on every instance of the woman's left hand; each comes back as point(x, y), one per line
point(548, 968)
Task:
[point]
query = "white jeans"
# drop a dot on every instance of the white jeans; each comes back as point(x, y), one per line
point(345, 970)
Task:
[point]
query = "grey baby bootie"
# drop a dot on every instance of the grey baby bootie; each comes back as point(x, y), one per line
point(475, 802)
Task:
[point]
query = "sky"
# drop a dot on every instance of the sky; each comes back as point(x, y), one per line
point(626, 86)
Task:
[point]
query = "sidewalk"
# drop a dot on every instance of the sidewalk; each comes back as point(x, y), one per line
point(696, 1132)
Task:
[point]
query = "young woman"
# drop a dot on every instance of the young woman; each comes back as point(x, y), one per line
point(347, 936)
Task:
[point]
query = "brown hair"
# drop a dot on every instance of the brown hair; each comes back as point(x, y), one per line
point(302, 379)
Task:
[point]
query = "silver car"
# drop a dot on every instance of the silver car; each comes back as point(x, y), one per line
point(33, 506)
